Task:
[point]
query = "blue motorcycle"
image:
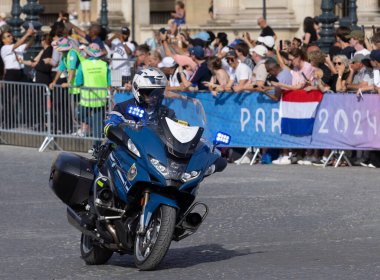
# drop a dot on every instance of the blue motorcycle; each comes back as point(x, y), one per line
point(138, 193)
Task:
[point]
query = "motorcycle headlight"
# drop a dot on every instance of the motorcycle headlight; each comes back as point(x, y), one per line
point(161, 168)
point(132, 148)
point(189, 176)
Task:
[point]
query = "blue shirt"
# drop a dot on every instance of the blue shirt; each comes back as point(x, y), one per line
point(203, 74)
point(97, 40)
point(73, 61)
point(284, 77)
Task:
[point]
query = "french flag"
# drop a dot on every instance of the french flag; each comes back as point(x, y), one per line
point(297, 111)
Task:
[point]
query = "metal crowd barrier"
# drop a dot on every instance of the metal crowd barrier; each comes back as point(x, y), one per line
point(77, 113)
point(23, 108)
point(64, 114)
point(122, 71)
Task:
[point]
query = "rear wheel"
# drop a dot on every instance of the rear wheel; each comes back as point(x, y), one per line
point(151, 248)
point(92, 253)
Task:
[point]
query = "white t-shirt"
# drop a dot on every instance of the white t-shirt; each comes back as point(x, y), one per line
point(9, 56)
point(376, 77)
point(173, 79)
point(242, 72)
point(120, 57)
point(363, 52)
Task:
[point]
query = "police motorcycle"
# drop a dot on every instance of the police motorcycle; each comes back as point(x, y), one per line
point(139, 192)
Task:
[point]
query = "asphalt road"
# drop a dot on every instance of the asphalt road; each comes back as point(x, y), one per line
point(265, 222)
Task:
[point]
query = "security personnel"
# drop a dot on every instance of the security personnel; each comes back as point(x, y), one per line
point(94, 76)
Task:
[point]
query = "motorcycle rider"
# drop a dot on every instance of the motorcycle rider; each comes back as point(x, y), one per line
point(148, 87)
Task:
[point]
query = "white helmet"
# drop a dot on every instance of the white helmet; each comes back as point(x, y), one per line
point(147, 81)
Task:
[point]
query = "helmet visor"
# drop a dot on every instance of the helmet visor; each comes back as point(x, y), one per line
point(151, 97)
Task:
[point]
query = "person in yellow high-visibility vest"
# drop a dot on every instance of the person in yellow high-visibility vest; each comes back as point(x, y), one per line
point(94, 76)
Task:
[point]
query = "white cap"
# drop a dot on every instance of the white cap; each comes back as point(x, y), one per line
point(167, 62)
point(260, 50)
point(267, 41)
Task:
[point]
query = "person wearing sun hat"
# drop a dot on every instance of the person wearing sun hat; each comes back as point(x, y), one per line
point(357, 40)
point(70, 61)
point(93, 73)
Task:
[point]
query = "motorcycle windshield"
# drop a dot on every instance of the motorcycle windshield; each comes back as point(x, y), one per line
point(180, 122)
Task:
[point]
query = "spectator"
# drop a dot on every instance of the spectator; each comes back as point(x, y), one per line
point(242, 51)
point(42, 63)
point(296, 43)
point(241, 74)
point(69, 63)
point(342, 67)
point(201, 75)
point(317, 27)
point(360, 78)
point(11, 53)
point(154, 58)
point(268, 43)
point(13, 72)
point(376, 41)
point(220, 44)
point(341, 35)
point(317, 59)
point(282, 75)
point(122, 51)
point(375, 62)
point(85, 6)
point(180, 13)
point(266, 30)
point(356, 38)
point(171, 69)
point(247, 39)
point(302, 72)
point(259, 74)
point(142, 55)
point(309, 30)
point(287, 46)
point(93, 36)
point(211, 10)
point(220, 77)
point(93, 73)
point(182, 60)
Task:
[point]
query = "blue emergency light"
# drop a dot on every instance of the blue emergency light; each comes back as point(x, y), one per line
point(222, 138)
point(136, 112)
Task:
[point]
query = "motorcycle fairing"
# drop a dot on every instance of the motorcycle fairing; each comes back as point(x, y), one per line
point(155, 200)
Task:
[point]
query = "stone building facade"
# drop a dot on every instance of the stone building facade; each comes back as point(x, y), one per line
point(231, 16)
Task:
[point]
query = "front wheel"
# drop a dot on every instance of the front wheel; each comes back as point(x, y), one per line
point(151, 248)
point(92, 253)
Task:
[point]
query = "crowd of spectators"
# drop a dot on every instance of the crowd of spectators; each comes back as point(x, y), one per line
point(208, 61)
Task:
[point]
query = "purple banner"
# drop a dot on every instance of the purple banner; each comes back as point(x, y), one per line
point(345, 122)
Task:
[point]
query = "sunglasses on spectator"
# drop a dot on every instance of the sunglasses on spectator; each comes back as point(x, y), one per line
point(230, 59)
point(338, 63)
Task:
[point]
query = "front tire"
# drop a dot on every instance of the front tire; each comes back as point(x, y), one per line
point(151, 248)
point(92, 253)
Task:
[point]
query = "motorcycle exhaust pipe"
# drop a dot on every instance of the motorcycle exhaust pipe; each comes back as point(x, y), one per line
point(76, 221)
